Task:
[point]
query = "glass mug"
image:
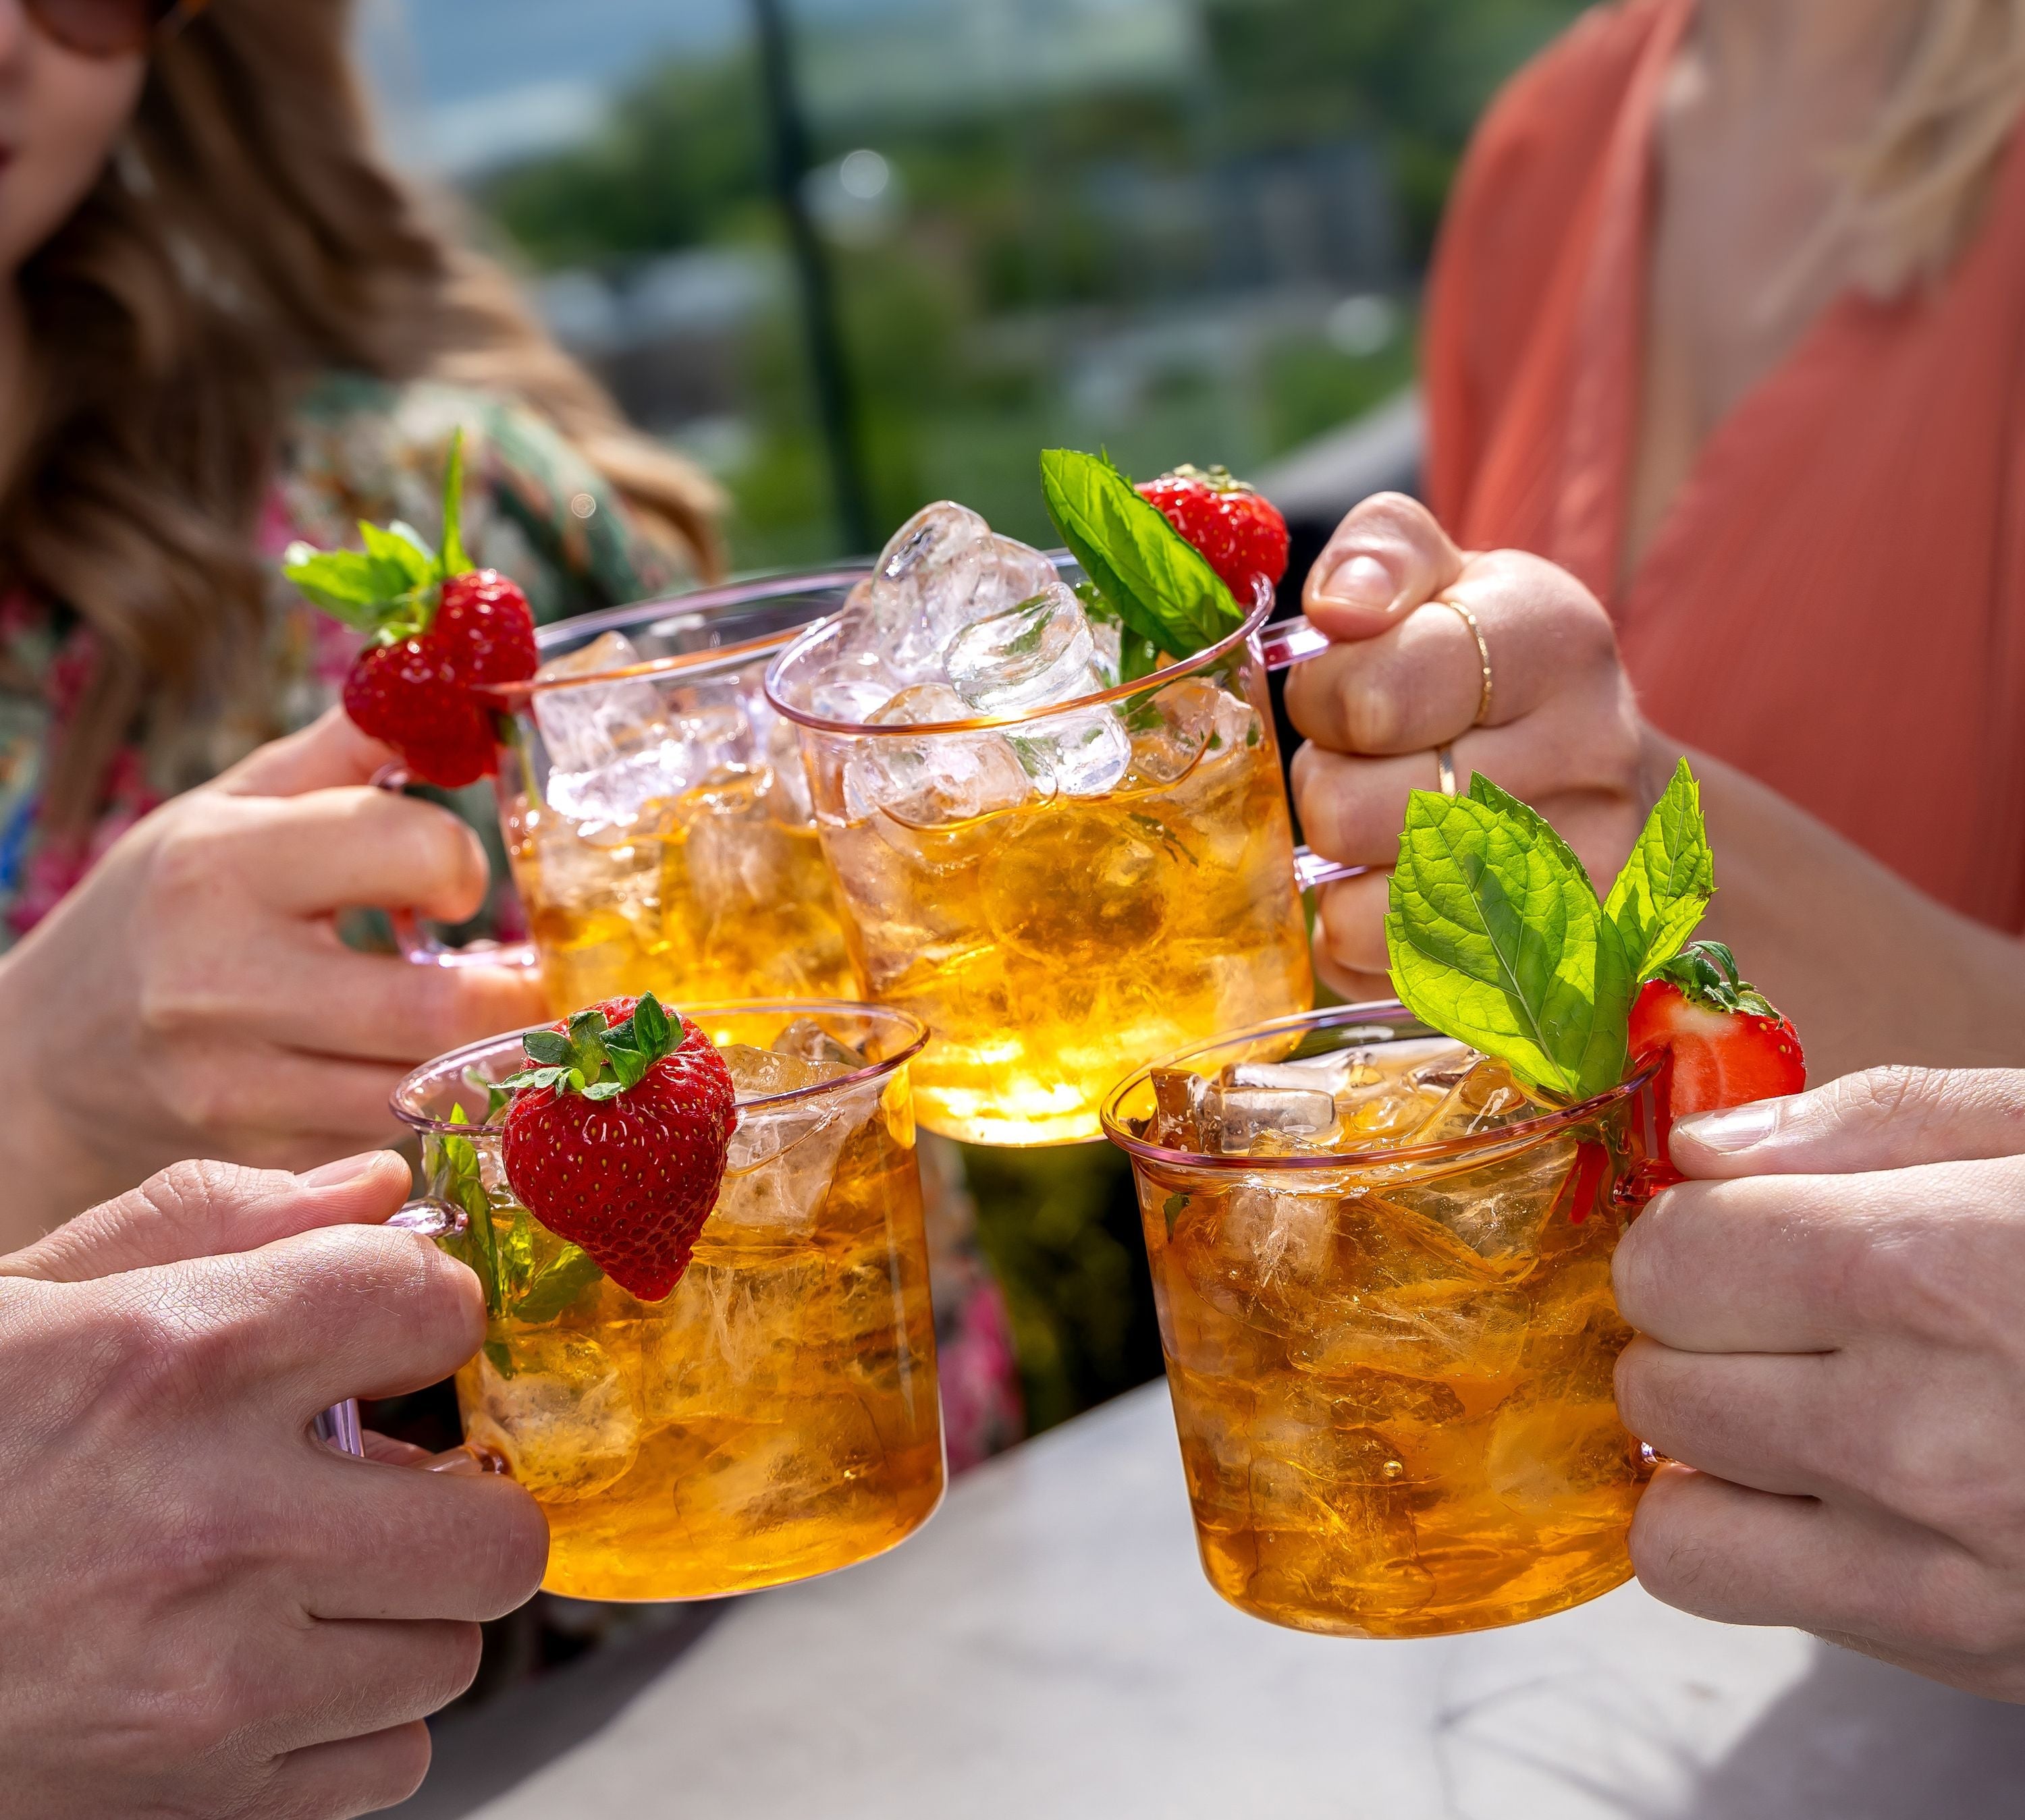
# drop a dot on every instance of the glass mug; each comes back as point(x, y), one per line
point(655, 812)
point(1062, 893)
point(777, 1417)
point(1391, 1368)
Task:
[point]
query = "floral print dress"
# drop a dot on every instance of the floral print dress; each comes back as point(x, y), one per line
point(359, 448)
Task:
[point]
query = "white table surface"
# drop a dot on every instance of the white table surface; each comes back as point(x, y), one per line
point(1047, 1647)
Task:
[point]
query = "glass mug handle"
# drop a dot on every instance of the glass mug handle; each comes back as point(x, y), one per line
point(1283, 644)
point(419, 944)
point(339, 1426)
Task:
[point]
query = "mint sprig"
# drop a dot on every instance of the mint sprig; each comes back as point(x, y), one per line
point(597, 1060)
point(390, 589)
point(1158, 585)
point(1497, 938)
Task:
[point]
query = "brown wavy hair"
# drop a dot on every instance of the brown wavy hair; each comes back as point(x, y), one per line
point(246, 238)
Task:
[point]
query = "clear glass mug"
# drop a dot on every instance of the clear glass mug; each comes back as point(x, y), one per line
point(655, 812)
point(777, 1417)
point(1392, 1370)
point(1062, 893)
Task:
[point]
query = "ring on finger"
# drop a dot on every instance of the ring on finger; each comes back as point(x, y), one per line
point(1488, 692)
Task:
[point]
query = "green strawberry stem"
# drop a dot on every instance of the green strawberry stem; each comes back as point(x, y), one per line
point(597, 1060)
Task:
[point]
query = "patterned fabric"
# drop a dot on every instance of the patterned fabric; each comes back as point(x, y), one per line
point(360, 449)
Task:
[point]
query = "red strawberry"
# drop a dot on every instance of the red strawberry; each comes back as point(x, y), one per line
point(617, 1137)
point(407, 696)
point(1729, 1045)
point(484, 621)
point(1240, 531)
point(439, 630)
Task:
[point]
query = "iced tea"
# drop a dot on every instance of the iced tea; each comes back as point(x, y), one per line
point(656, 813)
point(1384, 1281)
point(1061, 896)
point(777, 1416)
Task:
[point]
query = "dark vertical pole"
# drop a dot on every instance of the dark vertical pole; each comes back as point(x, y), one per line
point(828, 362)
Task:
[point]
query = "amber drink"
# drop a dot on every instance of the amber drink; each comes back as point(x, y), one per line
point(777, 1416)
point(1384, 1281)
point(1061, 880)
point(656, 813)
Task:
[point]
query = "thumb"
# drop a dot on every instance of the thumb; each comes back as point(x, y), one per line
point(1889, 1118)
point(194, 1210)
point(329, 754)
point(1388, 557)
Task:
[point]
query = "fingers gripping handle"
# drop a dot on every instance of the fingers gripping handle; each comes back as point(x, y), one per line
point(419, 945)
point(1289, 642)
point(339, 1426)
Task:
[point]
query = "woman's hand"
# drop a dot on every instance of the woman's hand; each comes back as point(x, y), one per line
point(1833, 1323)
point(1563, 732)
point(192, 997)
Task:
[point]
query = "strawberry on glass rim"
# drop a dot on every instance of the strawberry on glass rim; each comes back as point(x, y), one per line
point(617, 1137)
point(439, 628)
point(1236, 528)
point(1728, 1043)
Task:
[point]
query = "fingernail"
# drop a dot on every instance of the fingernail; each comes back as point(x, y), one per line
point(336, 1175)
point(1741, 1127)
point(1362, 582)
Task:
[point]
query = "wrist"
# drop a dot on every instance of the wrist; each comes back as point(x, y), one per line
point(47, 1172)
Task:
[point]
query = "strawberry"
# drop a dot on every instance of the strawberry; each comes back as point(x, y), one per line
point(440, 629)
point(616, 1139)
point(1240, 531)
point(1729, 1045)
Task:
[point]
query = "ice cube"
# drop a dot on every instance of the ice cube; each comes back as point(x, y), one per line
point(1287, 1118)
point(1499, 1209)
point(762, 1073)
point(618, 749)
point(808, 1040)
point(567, 1422)
point(1075, 754)
point(782, 1158)
point(1481, 1096)
point(1180, 1104)
point(940, 779)
point(1185, 723)
point(1037, 653)
point(1564, 1462)
point(943, 571)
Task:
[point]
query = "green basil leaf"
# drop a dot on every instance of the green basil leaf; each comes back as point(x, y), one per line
point(1663, 892)
point(1159, 585)
point(1497, 939)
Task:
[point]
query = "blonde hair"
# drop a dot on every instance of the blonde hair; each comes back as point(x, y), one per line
point(246, 238)
point(1914, 191)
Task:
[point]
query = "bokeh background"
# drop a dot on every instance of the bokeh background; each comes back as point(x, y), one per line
point(854, 256)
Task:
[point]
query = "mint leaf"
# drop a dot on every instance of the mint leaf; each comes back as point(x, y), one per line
point(1663, 892)
point(1497, 939)
point(558, 1287)
point(345, 584)
point(1161, 586)
point(455, 560)
point(402, 568)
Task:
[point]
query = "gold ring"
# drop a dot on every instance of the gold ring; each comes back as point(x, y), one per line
point(1445, 768)
point(1484, 698)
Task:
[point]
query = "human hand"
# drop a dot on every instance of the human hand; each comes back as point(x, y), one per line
point(207, 1612)
point(207, 1006)
point(1405, 678)
point(1832, 1322)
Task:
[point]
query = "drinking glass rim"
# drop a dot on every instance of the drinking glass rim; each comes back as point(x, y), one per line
point(1528, 1131)
point(1266, 600)
point(456, 1061)
point(752, 592)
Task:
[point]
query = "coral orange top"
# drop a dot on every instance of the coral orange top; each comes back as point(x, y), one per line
point(1837, 601)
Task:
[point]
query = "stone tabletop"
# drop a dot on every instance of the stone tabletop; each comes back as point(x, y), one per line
point(1047, 1647)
